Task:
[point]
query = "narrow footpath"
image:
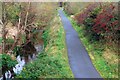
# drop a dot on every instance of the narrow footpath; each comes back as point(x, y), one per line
point(79, 59)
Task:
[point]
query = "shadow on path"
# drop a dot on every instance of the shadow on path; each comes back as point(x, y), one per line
point(79, 59)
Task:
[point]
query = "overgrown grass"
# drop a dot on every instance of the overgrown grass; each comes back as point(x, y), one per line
point(95, 50)
point(53, 62)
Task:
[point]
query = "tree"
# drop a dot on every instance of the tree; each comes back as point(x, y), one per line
point(3, 22)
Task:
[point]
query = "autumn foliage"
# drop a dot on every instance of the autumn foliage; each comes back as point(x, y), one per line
point(101, 22)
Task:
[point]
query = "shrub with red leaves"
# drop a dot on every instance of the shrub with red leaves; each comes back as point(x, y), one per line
point(106, 23)
point(80, 17)
point(101, 21)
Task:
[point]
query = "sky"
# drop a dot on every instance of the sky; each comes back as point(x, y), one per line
point(60, 0)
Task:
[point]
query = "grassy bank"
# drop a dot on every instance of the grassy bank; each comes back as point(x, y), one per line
point(53, 61)
point(96, 52)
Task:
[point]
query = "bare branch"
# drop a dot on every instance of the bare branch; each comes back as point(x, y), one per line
point(1, 22)
point(26, 18)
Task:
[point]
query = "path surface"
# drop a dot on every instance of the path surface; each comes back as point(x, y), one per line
point(79, 59)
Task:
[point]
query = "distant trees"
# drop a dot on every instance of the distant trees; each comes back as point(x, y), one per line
point(75, 7)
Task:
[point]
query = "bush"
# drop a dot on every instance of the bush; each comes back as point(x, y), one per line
point(80, 17)
point(89, 22)
point(101, 22)
point(106, 22)
point(6, 62)
point(43, 66)
point(96, 51)
point(87, 17)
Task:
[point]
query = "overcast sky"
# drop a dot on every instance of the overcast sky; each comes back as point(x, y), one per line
point(60, 0)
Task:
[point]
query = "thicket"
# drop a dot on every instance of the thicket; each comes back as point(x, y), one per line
point(6, 63)
point(101, 23)
point(28, 18)
point(53, 61)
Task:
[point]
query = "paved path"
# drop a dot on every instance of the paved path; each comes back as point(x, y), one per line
point(79, 59)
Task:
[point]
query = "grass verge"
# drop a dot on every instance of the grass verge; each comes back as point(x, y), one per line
point(96, 51)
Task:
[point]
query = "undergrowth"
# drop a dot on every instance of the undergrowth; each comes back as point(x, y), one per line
point(53, 61)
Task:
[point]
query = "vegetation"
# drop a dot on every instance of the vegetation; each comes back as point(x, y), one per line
point(75, 7)
point(105, 68)
point(104, 58)
point(101, 22)
point(29, 21)
point(6, 62)
point(0, 40)
point(25, 25)
point(53, 62)
point(26, 18)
